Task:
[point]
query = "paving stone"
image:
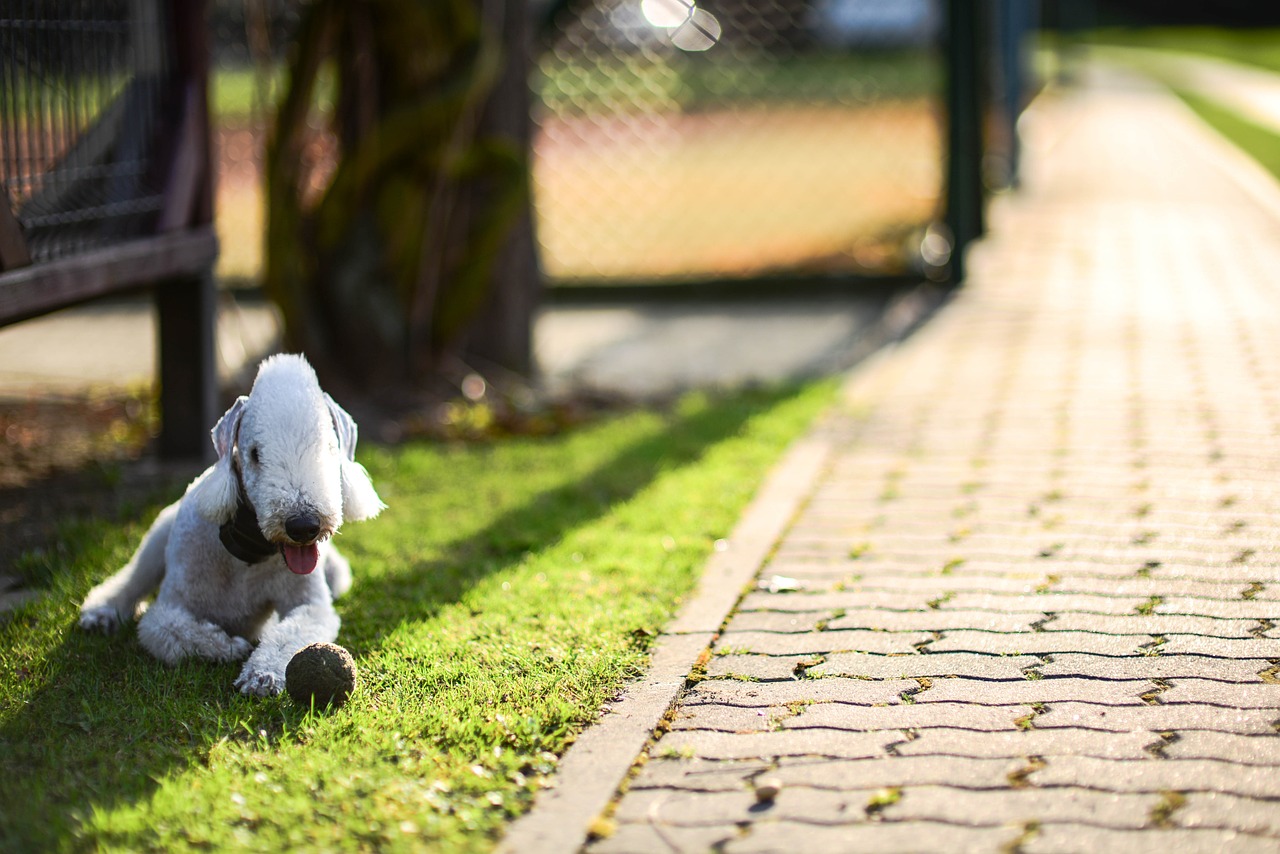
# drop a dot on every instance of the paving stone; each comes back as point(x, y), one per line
point(831, 601)
point(680, 808)
point(1158, 718)
point(1018, 806)
point(818, 642)
point(1079, 576)
point(646, 838)
point(769, 621)
point(1048, 582)
point(1031, 643)
point(1157, 775)
point(1057, 603)
point(938, 620)
point(820, 806)
point(1221, 647)
point(701, 775)
point(887, 771)
point(1166, 586)
point(1220, 810)
point(1243, 749)
point(1055, 690)
point(729, 718)
point(793, 803)
point(1074, 838)
point(1161, 624)
point(828, 690)
point(931, 585)
point(870, 838)
point(766, 745)
point(1154, 667)
point(758, 668)
point(921, 715)
point(1257, 695)
point(1239, 609)
point(934, 666)
point(1035, 742)
point(1244, 576)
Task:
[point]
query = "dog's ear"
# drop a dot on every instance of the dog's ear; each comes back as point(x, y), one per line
point(359, 499)
point(219, 492)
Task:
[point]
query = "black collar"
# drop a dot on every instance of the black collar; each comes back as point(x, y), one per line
point(241, 535)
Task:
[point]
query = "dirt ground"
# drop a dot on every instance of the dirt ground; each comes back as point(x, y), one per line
point(69, 457)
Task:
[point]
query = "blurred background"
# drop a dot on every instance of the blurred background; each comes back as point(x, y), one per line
point(506, 202)
point(742, 140)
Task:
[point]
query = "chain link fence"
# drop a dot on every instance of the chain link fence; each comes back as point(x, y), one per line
point(731, 139)
point(736, 138)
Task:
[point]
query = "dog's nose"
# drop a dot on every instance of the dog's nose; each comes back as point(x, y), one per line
point(302, 529)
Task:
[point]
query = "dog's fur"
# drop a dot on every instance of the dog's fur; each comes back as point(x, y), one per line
point(286, 461)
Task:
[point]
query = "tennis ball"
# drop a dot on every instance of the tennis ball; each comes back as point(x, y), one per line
point(323, 672)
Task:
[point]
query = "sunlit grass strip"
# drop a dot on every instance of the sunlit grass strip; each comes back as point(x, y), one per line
point(506, 594)
point(1262, 144)
point(1253, 46)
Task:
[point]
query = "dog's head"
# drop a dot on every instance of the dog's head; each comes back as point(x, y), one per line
point(288, 451)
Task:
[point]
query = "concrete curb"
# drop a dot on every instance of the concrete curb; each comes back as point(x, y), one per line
point(597, 763)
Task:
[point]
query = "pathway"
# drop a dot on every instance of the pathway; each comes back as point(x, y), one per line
point(1021, 590)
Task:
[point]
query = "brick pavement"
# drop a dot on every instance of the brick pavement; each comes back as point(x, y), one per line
point(1039, 604)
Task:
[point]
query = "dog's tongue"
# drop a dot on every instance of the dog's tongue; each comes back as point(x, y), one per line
point(301, 559)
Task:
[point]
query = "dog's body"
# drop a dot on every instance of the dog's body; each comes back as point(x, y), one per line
point(244, 556)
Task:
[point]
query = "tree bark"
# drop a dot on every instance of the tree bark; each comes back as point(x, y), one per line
point(419, 247)
point(503, 331)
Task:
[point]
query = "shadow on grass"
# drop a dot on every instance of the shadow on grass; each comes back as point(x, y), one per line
point(418, 593)
point(107, 722)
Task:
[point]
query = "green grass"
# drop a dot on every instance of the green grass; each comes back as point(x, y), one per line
point(582, 84)
point(501, 599)
point(1251, 47)
point(1260, 47)
point(234, 92)
point(1262, 144)
point(576, 84)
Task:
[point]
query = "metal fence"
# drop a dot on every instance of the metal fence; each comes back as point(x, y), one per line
point(737, 139)
point(733, 139)
point(723, 140)
point(81, 97)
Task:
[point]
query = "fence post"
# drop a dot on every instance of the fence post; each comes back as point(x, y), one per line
point(187, 306)
point(964, 192)
point(188, 379)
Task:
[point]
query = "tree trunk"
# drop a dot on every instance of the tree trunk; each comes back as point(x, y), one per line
point(417, 245)
point(503, 331)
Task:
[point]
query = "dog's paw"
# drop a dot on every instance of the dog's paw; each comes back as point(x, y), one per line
point(259, 683)
point(103, 618)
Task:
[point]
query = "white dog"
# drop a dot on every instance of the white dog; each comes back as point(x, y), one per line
point(235, 557)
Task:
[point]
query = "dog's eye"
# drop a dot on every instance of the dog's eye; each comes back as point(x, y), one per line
point(255, 455)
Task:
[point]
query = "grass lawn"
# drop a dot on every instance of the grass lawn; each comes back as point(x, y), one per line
point(1252, 47)
point(1262, 144)
point(506, 594)
point(1260, 47)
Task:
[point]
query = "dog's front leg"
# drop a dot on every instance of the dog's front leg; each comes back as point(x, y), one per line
point(116, 600)
point(171, 633)
point(263, 673)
